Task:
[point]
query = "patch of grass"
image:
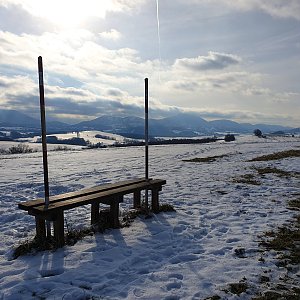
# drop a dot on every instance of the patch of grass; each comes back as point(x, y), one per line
point(237, 288)
point(278, 155)
point(34, 246)
point(75, 235)
point(166, 208)
point(205, 159)
point(264, 279)
point(129, 216)
point(279, 295)
point(246, 179)
point(294, 204)
point(281, 173)
point(240, 252)
point(285, 240)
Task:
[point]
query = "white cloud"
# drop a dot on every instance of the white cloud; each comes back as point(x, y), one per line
point(275, 8)
point(63, 10)
point(113, 34)
point(213, 61)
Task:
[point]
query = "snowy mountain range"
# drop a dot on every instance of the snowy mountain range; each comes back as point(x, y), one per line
point(181, 125)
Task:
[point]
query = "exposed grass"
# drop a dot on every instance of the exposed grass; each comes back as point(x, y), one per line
point(294, 204)
point(276, 295)
point(129, 216)
point(166, 208)
point(33, 246)
point(286, 242)
point(237, 288)
point(205, 159)
point(251, 178)
point(278, 155)
point(246, 179)
point(272, 170)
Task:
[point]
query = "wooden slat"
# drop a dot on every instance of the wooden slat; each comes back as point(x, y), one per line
point(106, 197)
point(33, 203)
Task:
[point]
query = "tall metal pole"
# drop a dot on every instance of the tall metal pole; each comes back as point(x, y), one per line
point(146, 130)
point(44, 141)
point(146, 141)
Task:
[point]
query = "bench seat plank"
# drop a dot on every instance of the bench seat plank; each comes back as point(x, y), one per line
point(33, 203)
point(105, 197)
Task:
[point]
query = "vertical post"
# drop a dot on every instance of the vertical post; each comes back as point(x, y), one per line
point(44, 142)
point(146, 141)
point(59, 234)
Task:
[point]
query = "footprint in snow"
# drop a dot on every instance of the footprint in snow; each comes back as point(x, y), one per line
point(174, 285)
point(52, 272)
point(176, 275)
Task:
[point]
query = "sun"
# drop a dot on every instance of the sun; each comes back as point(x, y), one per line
point(67, 13)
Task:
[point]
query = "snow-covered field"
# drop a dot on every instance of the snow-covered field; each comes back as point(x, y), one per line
point(104, 137)
point(189, 254)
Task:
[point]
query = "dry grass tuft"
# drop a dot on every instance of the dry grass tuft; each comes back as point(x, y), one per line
point(278, 155)
point(205, 159)
point(246, 179)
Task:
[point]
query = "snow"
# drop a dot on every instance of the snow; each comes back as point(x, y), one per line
point(189, 254)
point(90, 136)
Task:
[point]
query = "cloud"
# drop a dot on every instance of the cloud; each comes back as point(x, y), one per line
point(213, 61)
point(275, 8)
point(186, 85)
point(235, 82)
point(113, 34)
point(62, 12)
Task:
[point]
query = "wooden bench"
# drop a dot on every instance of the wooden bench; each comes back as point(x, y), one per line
point(109, 194)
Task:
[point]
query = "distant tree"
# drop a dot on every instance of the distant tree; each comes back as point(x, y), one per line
point(229, 137)
point(257, 132)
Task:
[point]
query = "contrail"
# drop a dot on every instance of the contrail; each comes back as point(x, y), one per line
point(158, 35)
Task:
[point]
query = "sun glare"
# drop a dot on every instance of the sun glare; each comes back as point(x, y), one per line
point(68, 13)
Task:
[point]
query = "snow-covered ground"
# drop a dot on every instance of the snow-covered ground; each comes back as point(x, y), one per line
point(91, 136)
point(189, 254)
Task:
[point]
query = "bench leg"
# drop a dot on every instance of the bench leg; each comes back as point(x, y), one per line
point(95, 213)
point(40, 228)
point(59, 233)
point(114, 214)
point(155, 202)
point(136, 199)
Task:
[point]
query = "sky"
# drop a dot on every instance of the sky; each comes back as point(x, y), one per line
point(224, 59)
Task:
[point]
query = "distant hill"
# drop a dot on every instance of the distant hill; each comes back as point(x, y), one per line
point(181, 125)
point(13, 118)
